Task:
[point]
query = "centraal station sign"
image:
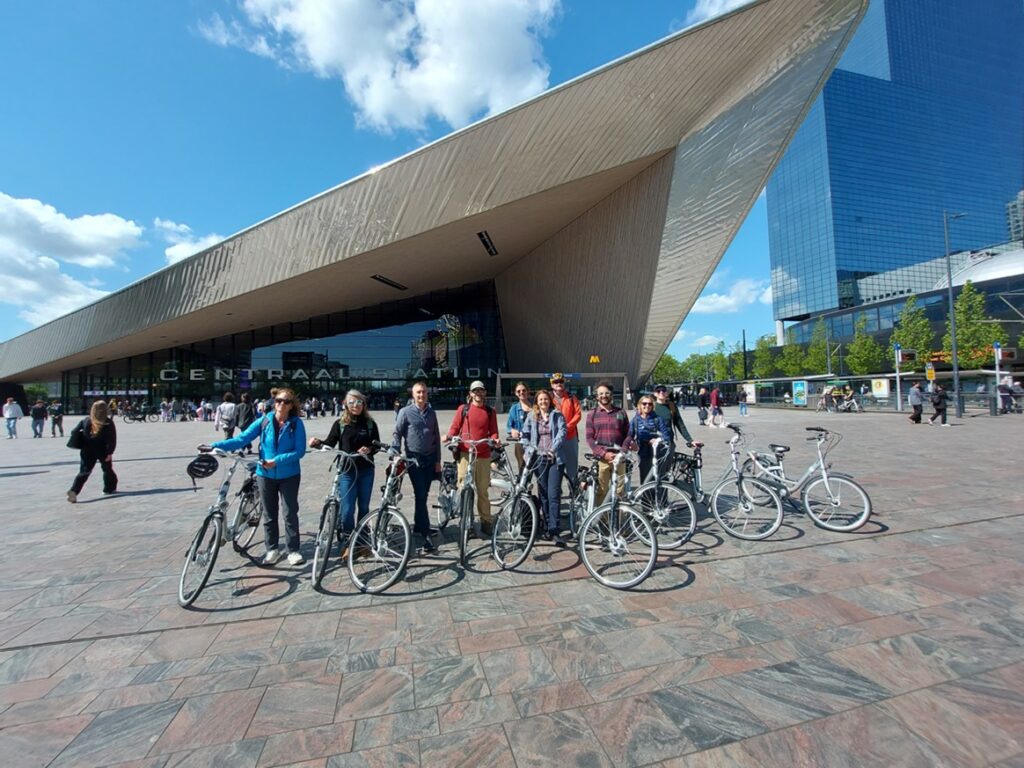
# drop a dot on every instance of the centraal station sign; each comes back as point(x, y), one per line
point(322, 374)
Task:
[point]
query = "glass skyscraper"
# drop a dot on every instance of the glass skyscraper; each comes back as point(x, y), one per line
point(924, 114)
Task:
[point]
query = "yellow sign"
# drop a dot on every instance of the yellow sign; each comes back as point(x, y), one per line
point(594, 359)
point(929, 372)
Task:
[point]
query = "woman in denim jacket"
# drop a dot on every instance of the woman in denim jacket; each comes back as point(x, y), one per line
point(544, 430)
point(282, 444)
point(645, 427)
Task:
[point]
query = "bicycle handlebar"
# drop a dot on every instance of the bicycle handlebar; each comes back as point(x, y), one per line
point(237, 457)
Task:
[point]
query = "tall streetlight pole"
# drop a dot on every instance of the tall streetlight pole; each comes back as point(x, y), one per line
point(946, 216)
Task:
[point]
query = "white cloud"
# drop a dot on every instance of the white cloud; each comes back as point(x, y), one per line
point(706, 9)
point(183, 242)
point(706, 341)
point(404, 62)
point(35, 238)
point(682, 335)
point(766, 296)
point(742, 293)
point(89, 241)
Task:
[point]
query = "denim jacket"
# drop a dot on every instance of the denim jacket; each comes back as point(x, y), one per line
point(558, 444)
point(643, 429)
point(286, 450)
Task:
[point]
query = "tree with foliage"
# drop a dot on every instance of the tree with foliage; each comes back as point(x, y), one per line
point(792, 361)
point(668, 370)
point(719, 362)
point(764, 366)
point(817, 351)
point(913, 330)
point(975, 330)
point(735, 360)
point(35, 392)
point(864, 354)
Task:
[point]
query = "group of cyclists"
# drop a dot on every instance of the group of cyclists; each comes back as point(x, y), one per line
point(548, 420)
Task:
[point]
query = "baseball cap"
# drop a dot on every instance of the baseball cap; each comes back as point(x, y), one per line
point(661, 388)
point(477, 385)
point(557, 377)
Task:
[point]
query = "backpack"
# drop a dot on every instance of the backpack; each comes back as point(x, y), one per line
point(462, 415)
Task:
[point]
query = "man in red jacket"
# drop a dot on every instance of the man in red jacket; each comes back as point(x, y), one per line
point(570, 408)
point(477, 421)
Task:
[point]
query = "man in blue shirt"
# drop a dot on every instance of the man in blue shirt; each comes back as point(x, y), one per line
point(416, 424)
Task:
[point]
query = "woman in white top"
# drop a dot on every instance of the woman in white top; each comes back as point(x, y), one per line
point(225, 419)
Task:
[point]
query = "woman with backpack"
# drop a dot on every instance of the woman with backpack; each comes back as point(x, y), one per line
point(96, 438)
point(282, 438)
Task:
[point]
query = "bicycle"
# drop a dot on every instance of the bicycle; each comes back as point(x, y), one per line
point(380, 544)
point(343, 462)
point(128, 415)
point(616, 541)
point(515, 526)
point(822, 496)
point(581, 496)
point(212, 534)
point(466, 501)
point(447, 496)
point(745, 507)
point(668, 507)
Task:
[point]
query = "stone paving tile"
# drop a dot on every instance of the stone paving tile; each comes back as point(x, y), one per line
point(819, 636)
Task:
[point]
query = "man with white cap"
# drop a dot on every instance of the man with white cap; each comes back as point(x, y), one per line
point(477, 421)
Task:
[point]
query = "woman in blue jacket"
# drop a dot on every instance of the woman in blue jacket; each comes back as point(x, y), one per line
point(544, 429)
point(645, 427)
point(282, 443)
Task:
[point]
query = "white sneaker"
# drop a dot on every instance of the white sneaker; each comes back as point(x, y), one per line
point(295, 558)
point(72, 497)
point(945, 425)
point(271, 557)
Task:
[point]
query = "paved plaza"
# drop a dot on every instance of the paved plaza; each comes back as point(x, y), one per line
point(899, 645)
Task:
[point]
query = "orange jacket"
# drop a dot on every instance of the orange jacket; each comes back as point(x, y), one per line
point(570, 408)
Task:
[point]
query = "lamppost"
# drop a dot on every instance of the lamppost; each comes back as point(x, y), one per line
point(946, 216)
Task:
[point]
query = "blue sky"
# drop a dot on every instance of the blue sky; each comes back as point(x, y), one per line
point(135, 133)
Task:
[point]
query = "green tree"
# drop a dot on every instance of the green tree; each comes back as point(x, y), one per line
point(764, 365)
point(817, 351)
point(719, 362)
point(864, 354)
point(668, 370)
point(736, 361)
point(913, 331)
point(792, 361)
point(35, 392)
point(975, 330)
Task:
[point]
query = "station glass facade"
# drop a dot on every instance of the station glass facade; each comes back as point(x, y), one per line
point(447, 337)
point(924, 114)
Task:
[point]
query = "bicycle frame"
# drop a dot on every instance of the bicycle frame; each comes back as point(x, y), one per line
point(220, 506)
point(775, 473)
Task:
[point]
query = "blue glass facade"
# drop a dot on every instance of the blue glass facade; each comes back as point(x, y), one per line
point(924, 113)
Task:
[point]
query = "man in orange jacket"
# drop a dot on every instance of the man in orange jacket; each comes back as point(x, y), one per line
point(570, 408)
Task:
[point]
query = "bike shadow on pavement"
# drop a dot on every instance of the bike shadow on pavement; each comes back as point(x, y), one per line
point(144, 492)
point(667, 576)
point(791, 509)
point(251, 583)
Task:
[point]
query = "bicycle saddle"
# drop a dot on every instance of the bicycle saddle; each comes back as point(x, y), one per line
point(778, 448)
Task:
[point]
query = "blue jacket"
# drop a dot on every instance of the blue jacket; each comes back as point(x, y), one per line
point(516, 417)
point(644, 429)
point(286, 450)
point(558, 430)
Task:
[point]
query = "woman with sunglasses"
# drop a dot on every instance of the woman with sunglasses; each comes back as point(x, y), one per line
point(282, 444)
point(544, 429)
point(517, 417)
point(354, 431)
point(645, 427)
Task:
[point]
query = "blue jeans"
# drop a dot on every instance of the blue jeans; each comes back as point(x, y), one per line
point(743, 409)
point(421, 477)
point(352, 489)
point(549, 488)
point(12, 427)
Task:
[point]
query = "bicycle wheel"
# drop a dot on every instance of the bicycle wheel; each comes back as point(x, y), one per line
point(841, 505)
point(127, 419)
point(153, 417)
point(577, 511)
point(734, 505)
point(199, 560)
point(467, 502)
point(514, 531)
point(378, 550)
point(751, 470)
point(322, 545)
point(670, 512)
point(614, 554)
point(246, 524)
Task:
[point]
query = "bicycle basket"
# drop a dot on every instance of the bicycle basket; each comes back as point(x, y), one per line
point(202, 466)
point(449, 475)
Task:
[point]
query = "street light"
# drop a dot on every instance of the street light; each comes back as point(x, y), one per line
point(946, 216)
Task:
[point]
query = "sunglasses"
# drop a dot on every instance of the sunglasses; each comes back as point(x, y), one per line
point(280, 400)
point(354, 403)
point(646, 405)
point(520, 391)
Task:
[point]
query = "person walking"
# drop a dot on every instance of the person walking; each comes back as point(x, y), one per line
point(416, 426)
point(703, 403)
point(354, 431)
point(915, 398)
point(56, 418)
point(544, 429)
point(476, 420)
point(569, 405)
point(940, 400)
point(12, 412)
point(607, 425)
point(38, 415)
point(282, 438)
point(717, 408)
point(245, 415)
point(517, 417)
point(226, 418)
point(645, 427)
point(98, 442)
point(741, 399)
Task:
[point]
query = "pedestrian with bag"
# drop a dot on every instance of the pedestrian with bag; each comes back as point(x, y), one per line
point(95, 437)
point(702, 406)
point(915, 399)
point(940, 400)
point(225, 420)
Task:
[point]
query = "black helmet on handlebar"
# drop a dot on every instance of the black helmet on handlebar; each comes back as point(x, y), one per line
point(202, 466)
